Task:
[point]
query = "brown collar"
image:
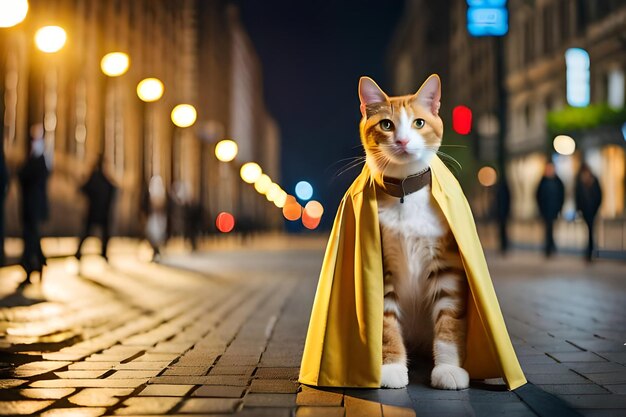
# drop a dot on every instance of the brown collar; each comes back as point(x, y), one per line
point(400, 188)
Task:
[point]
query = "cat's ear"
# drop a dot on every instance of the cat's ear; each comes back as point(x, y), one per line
point(370, 92)
point(429, 94)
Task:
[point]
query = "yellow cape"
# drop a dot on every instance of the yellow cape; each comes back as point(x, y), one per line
point(344, 341)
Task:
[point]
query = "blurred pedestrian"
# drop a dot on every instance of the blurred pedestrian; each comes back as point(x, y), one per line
point(503, 208)
point(193, 223)
point(550, 198)
point(155, 208)
point(100, 193)
point(33, 177)
point(4, 187)
point(588, 200)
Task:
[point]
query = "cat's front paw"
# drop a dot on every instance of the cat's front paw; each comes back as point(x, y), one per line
point(394, 375)
point(446, 376)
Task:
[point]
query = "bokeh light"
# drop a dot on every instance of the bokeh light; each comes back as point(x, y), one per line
point(292, 210)
point(115, 64)
point(12, 12)
point(314, 209)
point(281, 199)
point(50, 39)
point(250, 172)
point(263, 184)
point(487, 176)
point(184, 115)
point(304, 190)
point(462, 120)
point(150, 89)
point(310, 222)
point(273, 192)
point(225, 222)
point(564, 145)
point(226, 150)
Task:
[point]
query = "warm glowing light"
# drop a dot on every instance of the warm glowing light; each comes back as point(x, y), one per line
point(250, 172)
point(281, 199)
point(487, 176)
point(225, 222)
point(292, 210)
point(150, 89)
point(115, 64)
point(262, 184)
point(273, 192)
point(12, 12)
point(304, 190)
point(184, 115)
point(314, 209)
point(310, 222)
point(564, 145)
point(462, 120)
point(226, 150)
point(50, 39)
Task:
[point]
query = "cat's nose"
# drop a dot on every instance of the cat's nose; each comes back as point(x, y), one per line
point(402, 142)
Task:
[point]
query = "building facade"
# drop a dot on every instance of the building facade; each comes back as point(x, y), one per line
point(540, 32)
point(201, 53)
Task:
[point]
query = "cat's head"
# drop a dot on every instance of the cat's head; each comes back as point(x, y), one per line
point(400, 134)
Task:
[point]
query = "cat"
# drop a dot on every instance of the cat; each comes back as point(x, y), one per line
point(425, 287)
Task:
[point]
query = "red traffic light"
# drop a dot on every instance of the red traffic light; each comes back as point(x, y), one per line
point(462, 120)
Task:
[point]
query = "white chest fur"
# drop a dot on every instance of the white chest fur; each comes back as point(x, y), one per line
point(413, 233)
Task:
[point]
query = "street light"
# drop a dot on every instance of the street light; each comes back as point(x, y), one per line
point(564, 145)
point(115, 64)
point(12, 12)
point(184, 115)
point(250, 172)
point(487, 176)
point(273, 192)
point(50, 39)
point(262, 184)
point(226, 150)
point(304, 190)
point(150, 89)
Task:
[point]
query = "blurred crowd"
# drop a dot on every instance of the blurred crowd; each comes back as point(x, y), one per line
point(162, 212)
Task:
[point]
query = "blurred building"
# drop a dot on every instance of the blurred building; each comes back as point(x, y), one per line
point(539, 35)
point(201, 53)
point(535, 78)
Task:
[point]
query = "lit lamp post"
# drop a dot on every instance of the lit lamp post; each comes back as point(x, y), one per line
point(150, 90)
point(113, 65)
point(183, 116)
point(226, 151)
point(50, 40)
point(12, 12)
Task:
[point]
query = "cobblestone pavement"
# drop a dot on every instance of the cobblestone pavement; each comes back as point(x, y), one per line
point(222, 332)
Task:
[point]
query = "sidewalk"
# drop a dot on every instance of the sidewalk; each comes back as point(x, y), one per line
point(222, 332)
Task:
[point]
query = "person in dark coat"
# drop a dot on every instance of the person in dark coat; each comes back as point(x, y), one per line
point(33, 178)
point(100, 192)
point(588, 200)
point(550, 198)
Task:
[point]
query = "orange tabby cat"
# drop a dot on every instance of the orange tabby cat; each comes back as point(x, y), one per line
point(425, 284)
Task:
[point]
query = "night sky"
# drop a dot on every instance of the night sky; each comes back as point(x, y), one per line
point(313, 54)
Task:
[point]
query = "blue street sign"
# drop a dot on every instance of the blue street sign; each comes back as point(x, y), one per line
point(486, 3)
point(487, 18)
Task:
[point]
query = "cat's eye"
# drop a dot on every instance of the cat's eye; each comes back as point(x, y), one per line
point(419, 123)
point(386, 125)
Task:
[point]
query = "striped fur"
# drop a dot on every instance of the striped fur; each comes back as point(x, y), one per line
point(425, 284)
